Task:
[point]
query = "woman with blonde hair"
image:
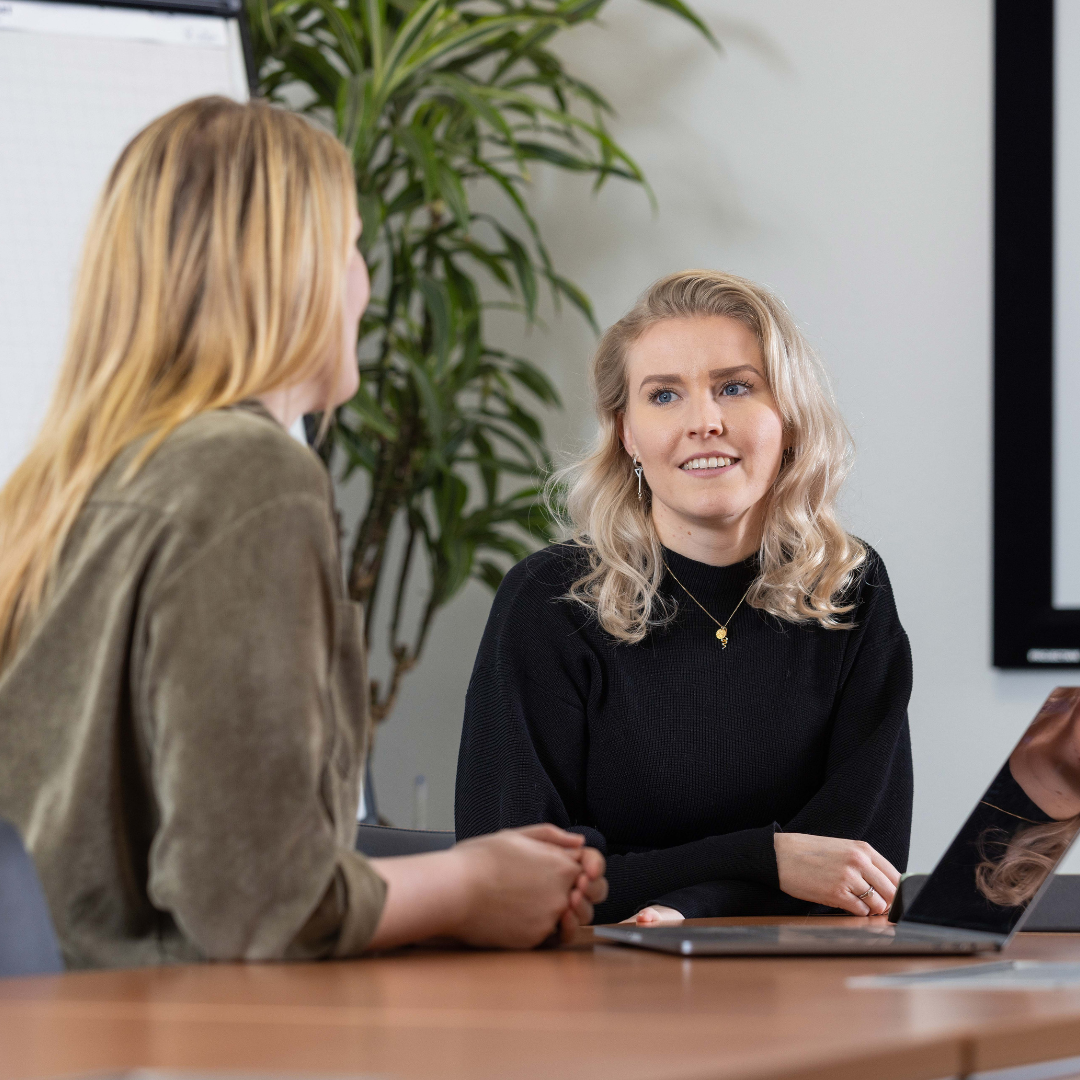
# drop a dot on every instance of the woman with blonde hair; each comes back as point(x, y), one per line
point(183, 704)
point(708, 679)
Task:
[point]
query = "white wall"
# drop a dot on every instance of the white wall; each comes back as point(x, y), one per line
point(839, 150)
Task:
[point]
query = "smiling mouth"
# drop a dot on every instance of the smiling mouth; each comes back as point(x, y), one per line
point(708, 463)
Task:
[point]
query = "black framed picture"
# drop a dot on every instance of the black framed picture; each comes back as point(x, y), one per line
point(1037, 334)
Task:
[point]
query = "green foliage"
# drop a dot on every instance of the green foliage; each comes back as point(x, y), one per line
point(433, 97)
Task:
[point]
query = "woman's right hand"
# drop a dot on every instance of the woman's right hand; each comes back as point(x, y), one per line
point(510, 890)
point(834, 872)
point(522, 884)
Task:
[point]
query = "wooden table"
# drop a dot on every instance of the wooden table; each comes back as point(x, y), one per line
point(572, 1014)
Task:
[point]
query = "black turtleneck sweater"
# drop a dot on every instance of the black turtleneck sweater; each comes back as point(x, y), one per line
point(679, 759)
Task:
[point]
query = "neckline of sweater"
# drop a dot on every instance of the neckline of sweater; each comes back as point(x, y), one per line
point(710, 579)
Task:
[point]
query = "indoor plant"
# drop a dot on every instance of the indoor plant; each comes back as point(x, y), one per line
point(432, 97)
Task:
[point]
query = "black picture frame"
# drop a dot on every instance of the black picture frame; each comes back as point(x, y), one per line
point(1028, 631)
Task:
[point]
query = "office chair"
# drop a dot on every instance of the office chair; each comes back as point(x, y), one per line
point(28, 944)
point(378, 841)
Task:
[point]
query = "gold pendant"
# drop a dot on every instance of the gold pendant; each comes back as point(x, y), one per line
point(722, 635)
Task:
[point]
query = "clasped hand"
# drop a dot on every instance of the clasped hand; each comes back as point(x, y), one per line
point(510, 890)
point(526, 882)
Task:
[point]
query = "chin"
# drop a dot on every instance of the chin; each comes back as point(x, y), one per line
point(347, 388)
point(712, 513)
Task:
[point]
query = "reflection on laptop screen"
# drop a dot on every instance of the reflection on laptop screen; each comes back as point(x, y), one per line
point(1017, 834)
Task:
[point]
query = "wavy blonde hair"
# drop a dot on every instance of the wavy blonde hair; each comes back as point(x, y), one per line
point(213, 271)
point(807, 561)
point(1014, 876)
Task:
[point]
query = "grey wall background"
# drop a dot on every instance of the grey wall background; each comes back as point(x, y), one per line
point(839, 151)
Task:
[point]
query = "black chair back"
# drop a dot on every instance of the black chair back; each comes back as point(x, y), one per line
point(380, 841)
point(28, 944)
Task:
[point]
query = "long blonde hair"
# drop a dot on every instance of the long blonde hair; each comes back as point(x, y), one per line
point(213, 271)
point(806, 560)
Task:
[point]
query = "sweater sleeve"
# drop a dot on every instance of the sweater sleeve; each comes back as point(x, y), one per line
point(524, 743)
point(249, 651)
point(868, 788)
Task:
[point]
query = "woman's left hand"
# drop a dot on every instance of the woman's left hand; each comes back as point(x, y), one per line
point(655, 914)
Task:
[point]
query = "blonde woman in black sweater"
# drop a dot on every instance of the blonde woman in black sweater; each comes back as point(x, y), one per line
point(708, 680)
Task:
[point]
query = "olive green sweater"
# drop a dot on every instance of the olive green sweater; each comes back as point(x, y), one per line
point(182, 727)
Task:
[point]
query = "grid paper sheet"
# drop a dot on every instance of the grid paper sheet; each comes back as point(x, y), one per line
point(76, 83)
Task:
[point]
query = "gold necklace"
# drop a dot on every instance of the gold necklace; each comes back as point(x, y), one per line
point(721, 633)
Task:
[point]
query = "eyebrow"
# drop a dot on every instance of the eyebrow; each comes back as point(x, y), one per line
point(716, 373)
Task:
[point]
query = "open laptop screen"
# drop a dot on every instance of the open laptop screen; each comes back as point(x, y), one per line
point(1018, 832)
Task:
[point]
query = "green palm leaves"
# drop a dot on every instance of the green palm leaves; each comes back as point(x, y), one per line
point(432, 99)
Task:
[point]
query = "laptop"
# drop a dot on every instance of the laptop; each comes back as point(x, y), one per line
point(980, 892)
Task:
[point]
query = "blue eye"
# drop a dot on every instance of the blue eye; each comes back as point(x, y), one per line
point(735, 389)
point(663, 397)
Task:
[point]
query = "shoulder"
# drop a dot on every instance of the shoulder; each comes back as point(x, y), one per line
point(554, 568)
point(217, 468)
point(871, 591)
point(538, 585)
point(870, 577)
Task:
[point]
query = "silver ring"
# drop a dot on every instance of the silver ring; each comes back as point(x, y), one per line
point(863, 896)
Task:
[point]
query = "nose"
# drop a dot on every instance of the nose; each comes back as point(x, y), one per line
point(707, 419)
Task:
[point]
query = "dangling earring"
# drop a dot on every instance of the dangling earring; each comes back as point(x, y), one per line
point(637, 473)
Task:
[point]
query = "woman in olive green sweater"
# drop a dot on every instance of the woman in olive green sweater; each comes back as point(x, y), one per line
point(182, 690)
